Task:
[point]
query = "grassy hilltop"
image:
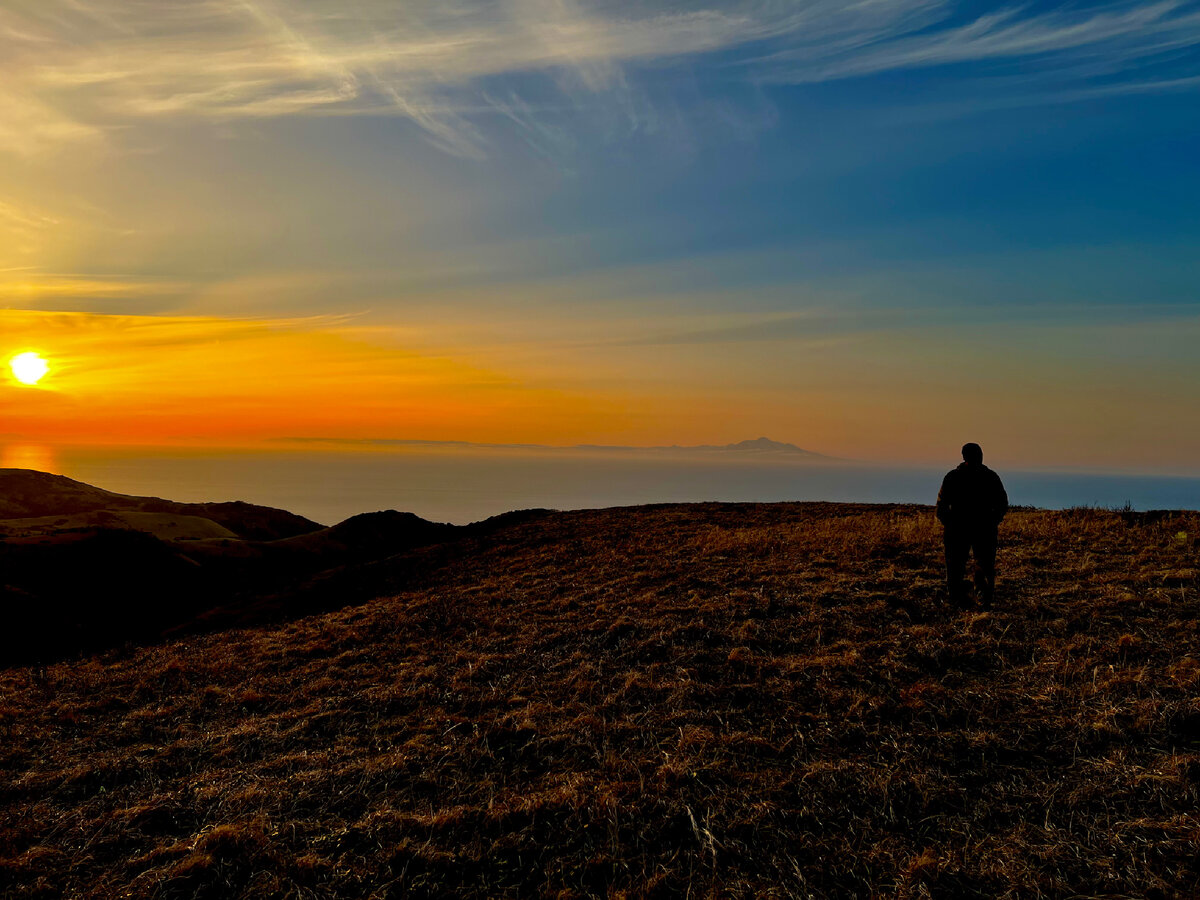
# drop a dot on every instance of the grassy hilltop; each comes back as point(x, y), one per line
point(705, 700)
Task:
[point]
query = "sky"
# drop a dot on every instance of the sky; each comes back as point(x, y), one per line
point(874, 229)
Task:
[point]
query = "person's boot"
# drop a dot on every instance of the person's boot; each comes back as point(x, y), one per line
point(986, 592)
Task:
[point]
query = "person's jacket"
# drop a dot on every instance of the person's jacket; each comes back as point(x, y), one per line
point(972, 497)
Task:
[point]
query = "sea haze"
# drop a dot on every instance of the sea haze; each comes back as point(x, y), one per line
point(464, 484)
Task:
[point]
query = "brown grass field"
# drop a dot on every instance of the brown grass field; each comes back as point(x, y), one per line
point(717, 700)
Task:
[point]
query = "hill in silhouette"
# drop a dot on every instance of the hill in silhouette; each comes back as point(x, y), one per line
point(82, 568)
point(25, 494)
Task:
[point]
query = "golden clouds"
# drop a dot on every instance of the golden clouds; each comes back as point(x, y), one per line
point(155, 379)
point(30, 127)
point(35, 288)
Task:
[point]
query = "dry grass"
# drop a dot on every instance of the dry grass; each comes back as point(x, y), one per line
point(705, 700)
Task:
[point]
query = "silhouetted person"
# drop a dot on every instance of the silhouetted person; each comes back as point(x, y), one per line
point(970, 505)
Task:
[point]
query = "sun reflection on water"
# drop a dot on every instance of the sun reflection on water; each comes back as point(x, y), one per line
point(28, 456)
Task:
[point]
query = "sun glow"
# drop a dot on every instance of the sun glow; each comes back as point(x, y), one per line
point(28, 368)
point(28, 456)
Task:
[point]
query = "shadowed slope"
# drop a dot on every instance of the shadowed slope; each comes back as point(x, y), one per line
point(165, 526)
point(76, 581)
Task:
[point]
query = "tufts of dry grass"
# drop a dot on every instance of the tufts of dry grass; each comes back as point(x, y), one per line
point(710, 700)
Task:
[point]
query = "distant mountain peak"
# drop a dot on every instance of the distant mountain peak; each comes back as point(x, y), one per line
point(764, 443)
point(759, 445)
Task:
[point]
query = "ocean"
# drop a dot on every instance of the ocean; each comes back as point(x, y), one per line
point(466, 485)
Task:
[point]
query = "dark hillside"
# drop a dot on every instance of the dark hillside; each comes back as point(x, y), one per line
point(93, 590)
point(706, 700)
point(87, 589)
point(138, 569)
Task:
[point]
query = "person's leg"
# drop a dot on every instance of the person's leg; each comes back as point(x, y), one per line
point(984, 546)
point(957, 547)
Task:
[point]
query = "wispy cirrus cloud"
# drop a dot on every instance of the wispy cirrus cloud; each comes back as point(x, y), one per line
point(238, 58)
point(22, 225)
point(1117, 36)
point(78, 68)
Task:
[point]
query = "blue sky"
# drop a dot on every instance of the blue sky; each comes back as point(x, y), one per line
point(701, 221)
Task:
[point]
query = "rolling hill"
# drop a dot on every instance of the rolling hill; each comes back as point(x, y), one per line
point(82, 568)
point(25, 493)
point(724, 700)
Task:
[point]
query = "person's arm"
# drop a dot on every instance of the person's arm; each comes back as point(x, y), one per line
point(943, 501)
point(1001, 501)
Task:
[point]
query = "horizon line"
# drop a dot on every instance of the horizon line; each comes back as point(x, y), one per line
point(756, 445)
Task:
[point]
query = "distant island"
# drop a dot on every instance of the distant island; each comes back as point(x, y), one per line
point(761, 446)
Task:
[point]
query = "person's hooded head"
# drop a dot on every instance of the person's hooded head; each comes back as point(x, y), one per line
point(972, 454)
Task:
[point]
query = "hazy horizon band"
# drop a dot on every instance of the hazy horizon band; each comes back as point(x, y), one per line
point(462, 487)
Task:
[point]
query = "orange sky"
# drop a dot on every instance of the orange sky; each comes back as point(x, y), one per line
point(212, 381)
point(160, 379)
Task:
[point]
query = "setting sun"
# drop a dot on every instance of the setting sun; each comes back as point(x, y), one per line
point(28, 368)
